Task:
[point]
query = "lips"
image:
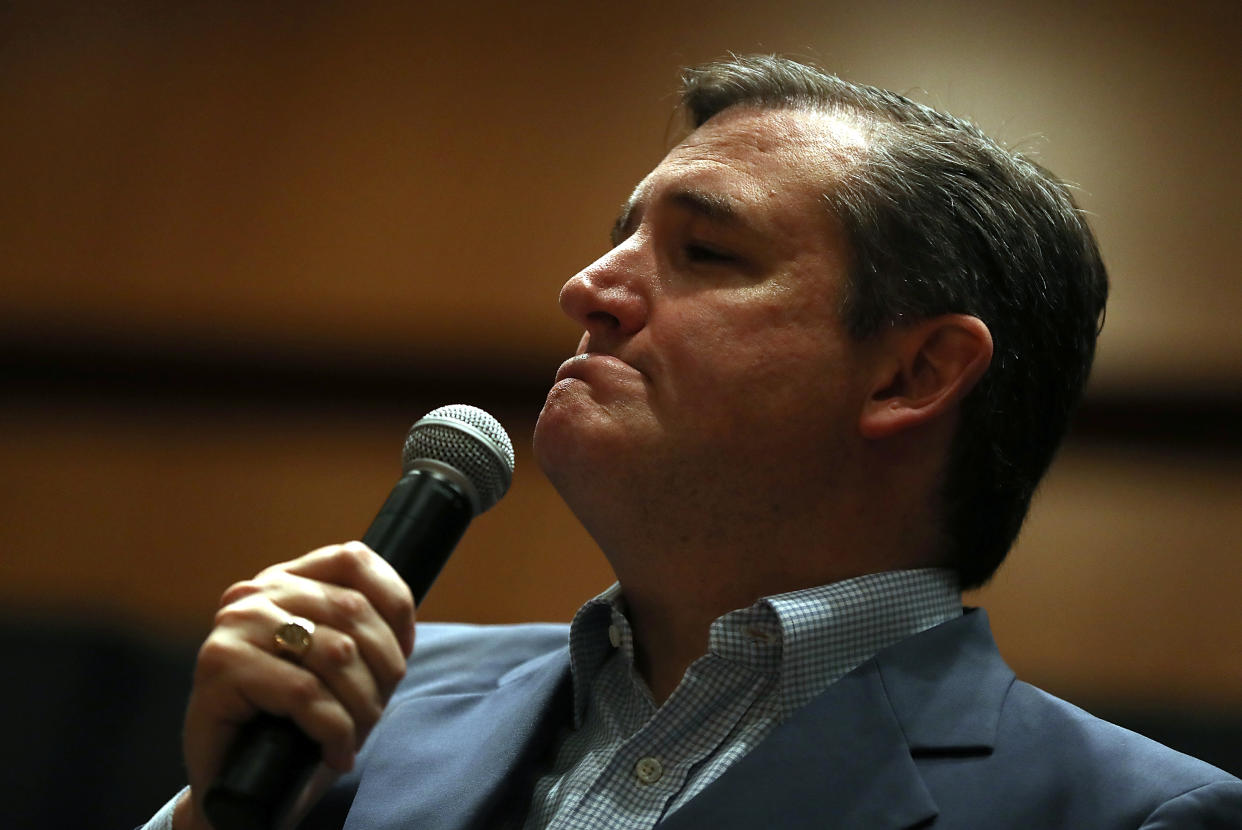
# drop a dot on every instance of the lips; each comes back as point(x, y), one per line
point(594, 366)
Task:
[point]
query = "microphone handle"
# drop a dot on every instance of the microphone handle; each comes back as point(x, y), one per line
point(418, 527)
point(271, 760)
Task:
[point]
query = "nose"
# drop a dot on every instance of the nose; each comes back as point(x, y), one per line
point(608, 298)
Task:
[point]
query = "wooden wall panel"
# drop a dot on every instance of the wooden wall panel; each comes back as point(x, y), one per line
point(227, 195)
point(1123, 586)
point(148, 515)
point(397, 179)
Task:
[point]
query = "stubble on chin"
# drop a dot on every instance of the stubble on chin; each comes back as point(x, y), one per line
point(580, 441)
point(554, 438)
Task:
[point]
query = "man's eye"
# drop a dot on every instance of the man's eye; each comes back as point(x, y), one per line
point(696, 252)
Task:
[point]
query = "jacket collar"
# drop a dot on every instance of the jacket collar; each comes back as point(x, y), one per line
point(947, 685)
point(848, 758)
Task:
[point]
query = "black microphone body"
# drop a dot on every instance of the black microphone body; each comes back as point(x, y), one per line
point(416, 530)
point(418, 527)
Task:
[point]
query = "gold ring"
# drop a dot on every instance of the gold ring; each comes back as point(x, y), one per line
point(294, 638)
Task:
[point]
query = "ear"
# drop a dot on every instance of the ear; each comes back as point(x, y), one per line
point(924, 370)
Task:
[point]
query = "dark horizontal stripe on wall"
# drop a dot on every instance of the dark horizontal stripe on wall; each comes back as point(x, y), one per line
point(266, 377)
point(1182, 421)
point(269, 377)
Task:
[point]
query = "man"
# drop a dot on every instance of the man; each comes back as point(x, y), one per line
point(826, 361)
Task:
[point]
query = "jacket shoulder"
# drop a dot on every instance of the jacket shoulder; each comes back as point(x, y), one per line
point(995, 751)
point(1070, 767)
point(459, 658)
point(1038, 721)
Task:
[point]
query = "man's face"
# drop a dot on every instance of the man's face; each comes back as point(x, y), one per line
point(713, 343)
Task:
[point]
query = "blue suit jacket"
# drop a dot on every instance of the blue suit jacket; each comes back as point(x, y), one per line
point(932, 732)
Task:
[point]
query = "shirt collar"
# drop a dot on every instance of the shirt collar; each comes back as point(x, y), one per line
point(830, 630)
point(809, 638)
point(590, 642)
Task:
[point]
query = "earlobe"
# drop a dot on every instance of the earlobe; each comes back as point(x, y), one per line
point(925, 369)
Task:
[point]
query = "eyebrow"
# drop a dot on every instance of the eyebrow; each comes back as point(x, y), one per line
point(712, 206)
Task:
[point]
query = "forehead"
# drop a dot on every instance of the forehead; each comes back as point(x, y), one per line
point(748, 155)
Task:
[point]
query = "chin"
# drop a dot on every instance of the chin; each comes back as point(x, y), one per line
point(576, 440)
point(556, 435)
point(542, 442)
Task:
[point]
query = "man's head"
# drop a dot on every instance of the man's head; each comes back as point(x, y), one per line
point(712, 360)
point(793, 301)
point(941, 219)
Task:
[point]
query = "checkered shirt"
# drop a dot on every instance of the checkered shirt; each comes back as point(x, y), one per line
point(627, 763)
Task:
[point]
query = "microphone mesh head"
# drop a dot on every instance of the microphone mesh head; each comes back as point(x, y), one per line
point(471, 442)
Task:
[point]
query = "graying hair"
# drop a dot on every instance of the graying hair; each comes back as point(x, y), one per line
point(942, 219)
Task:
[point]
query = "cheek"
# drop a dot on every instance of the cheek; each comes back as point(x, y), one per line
point(769, 341)
point(766, 366)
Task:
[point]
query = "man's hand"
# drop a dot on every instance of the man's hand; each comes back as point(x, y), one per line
point(364, 631)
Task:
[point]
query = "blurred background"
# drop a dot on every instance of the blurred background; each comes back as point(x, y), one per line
point(243, 246)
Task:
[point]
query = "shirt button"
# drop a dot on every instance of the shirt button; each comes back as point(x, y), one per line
point(614, 636)
point(649, 770)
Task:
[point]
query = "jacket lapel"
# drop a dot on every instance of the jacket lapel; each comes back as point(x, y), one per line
point(841, 762)
point(947, 685)
point(454, 760)
point(849, 759)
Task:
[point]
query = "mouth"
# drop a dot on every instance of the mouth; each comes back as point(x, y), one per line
point(594, 366)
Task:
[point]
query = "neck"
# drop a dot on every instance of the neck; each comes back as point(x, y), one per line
point(685, 553)
point(677, 582)
point(667, 639)
point(671, 614)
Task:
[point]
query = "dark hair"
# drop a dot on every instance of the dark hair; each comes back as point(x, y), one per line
point(942, 219)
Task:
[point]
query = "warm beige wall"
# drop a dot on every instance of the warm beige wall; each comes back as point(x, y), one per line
point(149, 515)
point(322, 179)
point(1124, 584)
point(385, 184)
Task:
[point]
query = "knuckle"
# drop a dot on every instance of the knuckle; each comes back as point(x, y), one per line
point(340, 651)
point(229, 615)
point(239, 590)
point(269, 572)
point(304, 691)
point(356, 547)
point(404, 603)
point(348, 604)
point(354, 558)
point(240, 611)
point(389, 675)
point(215, 656)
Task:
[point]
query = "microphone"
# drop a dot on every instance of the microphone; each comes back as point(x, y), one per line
point(456, 463)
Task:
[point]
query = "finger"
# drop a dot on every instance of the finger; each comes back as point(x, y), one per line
point(338, 658)
point(279, 595)
point(354, 565)
point(334, 658)
point(234, 680)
